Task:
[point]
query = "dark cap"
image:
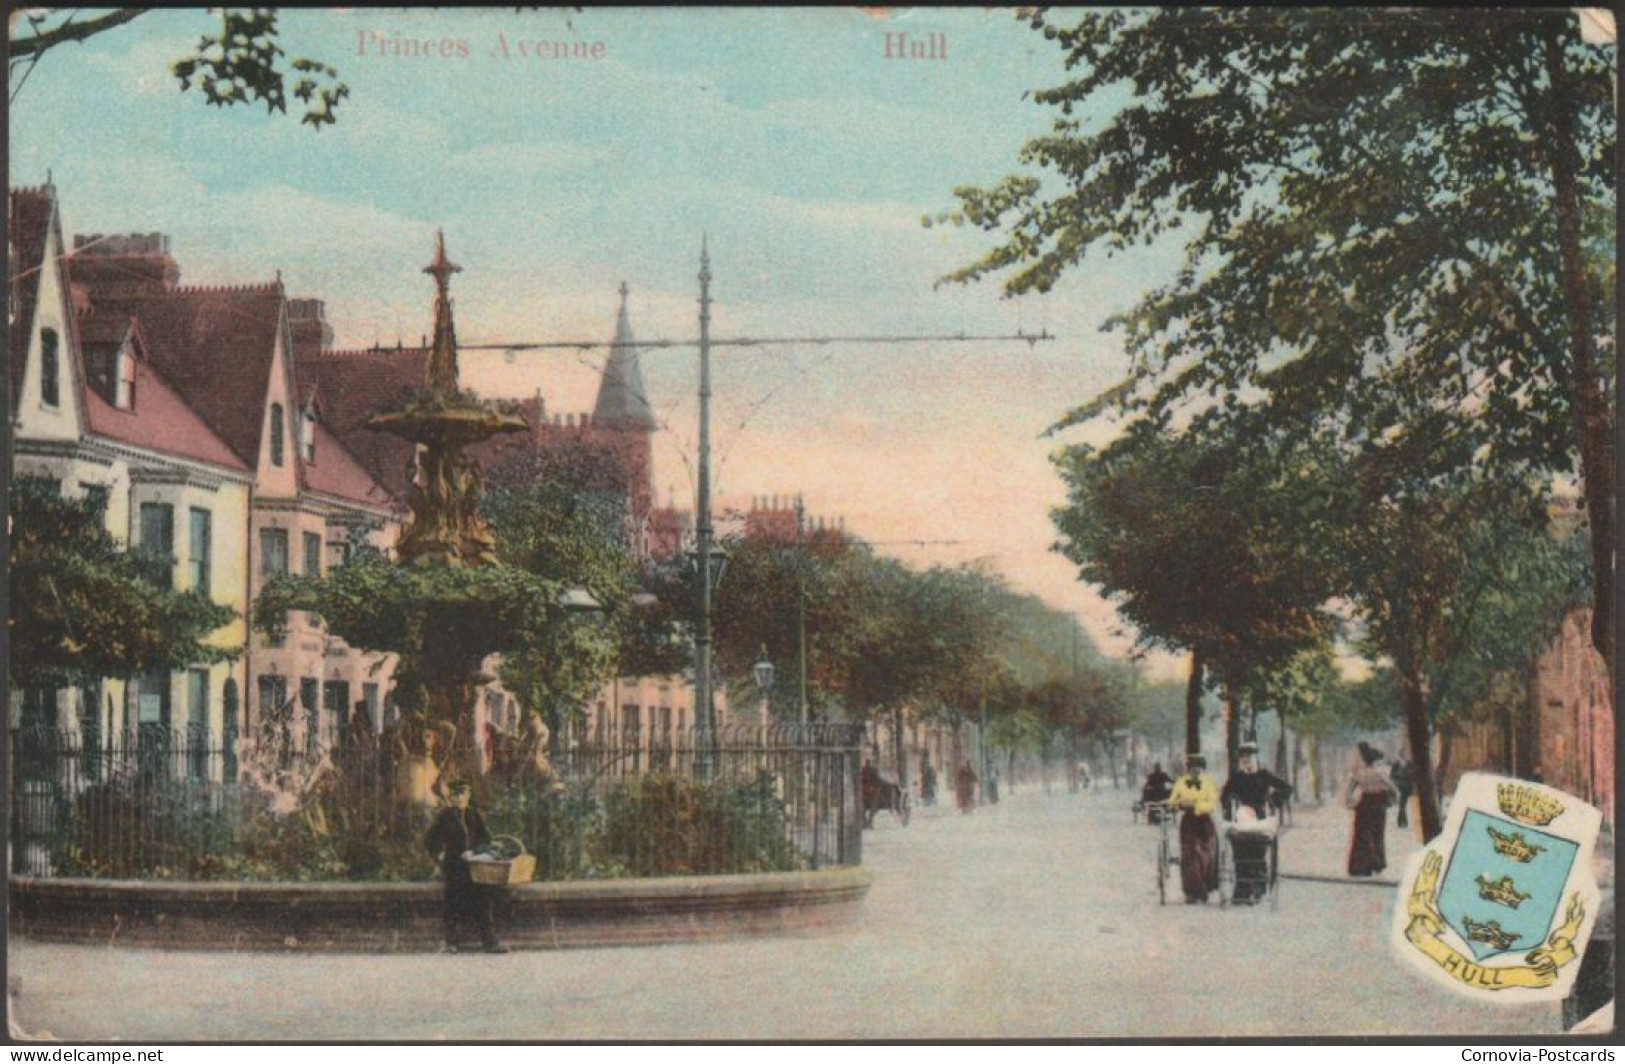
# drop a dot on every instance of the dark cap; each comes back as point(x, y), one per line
point(1195, 761)
point(457, 787)
point(1246, 748)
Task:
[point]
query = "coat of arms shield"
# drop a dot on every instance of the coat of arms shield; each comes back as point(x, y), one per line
point(1501, 904)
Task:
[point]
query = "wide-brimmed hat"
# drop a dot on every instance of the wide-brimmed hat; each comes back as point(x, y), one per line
point(458, 787)
point(1195, 761)
point(1246, 748)
point(1370, 753)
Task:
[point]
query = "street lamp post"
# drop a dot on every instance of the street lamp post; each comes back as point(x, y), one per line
point(764, 672)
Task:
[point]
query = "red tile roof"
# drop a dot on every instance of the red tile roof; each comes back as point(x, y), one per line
point(31, 212)
point(337, 472)
point(355, 385)
point(160, 420)
point(215, 345)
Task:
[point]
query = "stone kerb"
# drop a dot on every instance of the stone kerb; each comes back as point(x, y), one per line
point(406, 917)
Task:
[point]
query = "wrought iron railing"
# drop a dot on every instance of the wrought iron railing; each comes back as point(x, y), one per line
point(159, 802)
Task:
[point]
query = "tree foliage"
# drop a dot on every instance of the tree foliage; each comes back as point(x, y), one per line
point(83, 608)
point(240, 62)
point(1375, 203)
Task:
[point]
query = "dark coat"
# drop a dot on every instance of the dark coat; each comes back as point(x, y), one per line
point(453, 833)
point(1255, 790)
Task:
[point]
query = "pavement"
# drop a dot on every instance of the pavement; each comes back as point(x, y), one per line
point(1034, 918)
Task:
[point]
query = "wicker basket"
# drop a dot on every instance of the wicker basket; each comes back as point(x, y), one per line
point(520, 868)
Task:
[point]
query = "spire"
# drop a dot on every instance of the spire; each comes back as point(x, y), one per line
point(443, 359)
point(622, 401)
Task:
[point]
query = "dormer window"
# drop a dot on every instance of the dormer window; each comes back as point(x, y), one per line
point(124, 380)
point(276, 434)
point(50, 369)
point(307, 435)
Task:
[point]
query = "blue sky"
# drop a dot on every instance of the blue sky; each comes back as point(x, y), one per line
point(786, 136)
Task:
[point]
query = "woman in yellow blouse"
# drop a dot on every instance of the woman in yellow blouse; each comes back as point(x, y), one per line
point(1197, 795)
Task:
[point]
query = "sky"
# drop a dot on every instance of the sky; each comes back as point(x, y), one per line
point(787, 138)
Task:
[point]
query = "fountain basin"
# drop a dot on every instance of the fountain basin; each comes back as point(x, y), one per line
point(406, 917)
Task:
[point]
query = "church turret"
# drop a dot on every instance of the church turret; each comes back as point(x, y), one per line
point(622, 401)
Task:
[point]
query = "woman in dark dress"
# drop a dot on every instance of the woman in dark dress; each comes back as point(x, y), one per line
point(1369, 795)
point(1260, 792)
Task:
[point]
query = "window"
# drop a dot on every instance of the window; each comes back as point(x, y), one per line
point(273, 692)
point(336, 708)
point(307, 435)
point(313, 554)
point(310, 693)
point(339, 553)
point(369, 695)
point(158, 534)
point(152, 699)
point(124, 381)
point(50, 369)
point(39, 707)
point(199, 561)
point(276, 434)
point(273, 552)
point(96, 495)
point(197, 722)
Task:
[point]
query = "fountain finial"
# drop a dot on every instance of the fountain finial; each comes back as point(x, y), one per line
point(441, 268)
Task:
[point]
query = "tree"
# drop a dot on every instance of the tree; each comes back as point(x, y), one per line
point(1201, 538)
point(1413, 196)
point(1452, 571)
point(240, 63)
point(84, 609)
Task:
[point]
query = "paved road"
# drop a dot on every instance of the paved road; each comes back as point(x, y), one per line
point(1033, 918)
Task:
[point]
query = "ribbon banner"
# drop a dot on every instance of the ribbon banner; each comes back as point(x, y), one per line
point(1501, 904)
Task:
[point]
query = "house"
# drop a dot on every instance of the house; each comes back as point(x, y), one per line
point(95, 412)
point(228, 352)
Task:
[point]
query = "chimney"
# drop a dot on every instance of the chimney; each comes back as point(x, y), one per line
point(307, 321)
point(125, 264)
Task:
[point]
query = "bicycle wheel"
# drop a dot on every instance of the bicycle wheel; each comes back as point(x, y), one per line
point(1227, 871)
point(1275, 874)
point(1162, 870)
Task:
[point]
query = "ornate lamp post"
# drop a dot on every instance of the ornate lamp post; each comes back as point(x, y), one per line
point(764, 672)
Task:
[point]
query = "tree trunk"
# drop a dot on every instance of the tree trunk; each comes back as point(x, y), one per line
point(1314, 769)
point(1297, 759)
point(1281, 768)
point(1593, 421)
point(900, 740)
point(1420, 734)
point(1193, 706)
point(1232, 729)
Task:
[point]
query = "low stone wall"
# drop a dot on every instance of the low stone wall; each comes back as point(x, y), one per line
point(406, 917)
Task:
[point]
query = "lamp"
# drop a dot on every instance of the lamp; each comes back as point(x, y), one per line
point(763, 671)
point(719, 562)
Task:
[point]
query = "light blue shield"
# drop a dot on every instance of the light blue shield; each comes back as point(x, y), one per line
point(1504, 883)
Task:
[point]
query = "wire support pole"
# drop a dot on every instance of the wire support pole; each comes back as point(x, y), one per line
point(705, 703)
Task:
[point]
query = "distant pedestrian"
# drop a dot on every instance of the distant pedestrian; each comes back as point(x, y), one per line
point(1368, 794)
point(928, 782)
point(1400, 776)
point(1196, 794)
point(965, 787)
point(458, 829)
point(991, 789)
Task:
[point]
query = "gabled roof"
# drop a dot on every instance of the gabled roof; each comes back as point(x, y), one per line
point(355, 385)
point(215, 345)
point(623, 402)
point(337, 472)
point(32, 210)
point(160, 421)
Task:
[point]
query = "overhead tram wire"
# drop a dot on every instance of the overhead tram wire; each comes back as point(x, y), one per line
point(758, 341)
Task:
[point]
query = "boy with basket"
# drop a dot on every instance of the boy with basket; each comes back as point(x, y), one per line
point(458, 829)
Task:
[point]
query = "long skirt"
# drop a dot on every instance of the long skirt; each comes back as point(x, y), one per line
point(1198, 856)
point(1367, 853)
point(1252, 857)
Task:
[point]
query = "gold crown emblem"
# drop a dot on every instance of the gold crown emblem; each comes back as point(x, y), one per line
point(1527, 805)
point(1502, 891)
